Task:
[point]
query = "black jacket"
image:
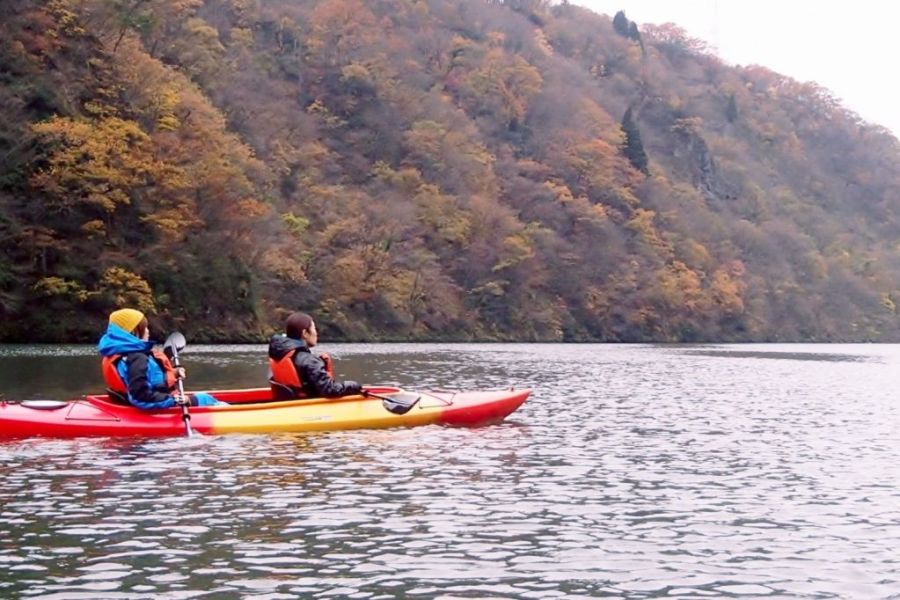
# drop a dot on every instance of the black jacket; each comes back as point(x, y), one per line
point(317, 383)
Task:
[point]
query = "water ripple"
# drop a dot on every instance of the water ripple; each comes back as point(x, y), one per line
point(633, 472)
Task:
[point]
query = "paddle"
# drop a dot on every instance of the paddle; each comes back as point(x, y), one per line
point(175, 343)
point(399, 404)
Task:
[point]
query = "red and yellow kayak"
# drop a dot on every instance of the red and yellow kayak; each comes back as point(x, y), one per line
point(254, 411)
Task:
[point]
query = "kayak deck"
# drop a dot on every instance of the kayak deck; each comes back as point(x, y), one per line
point(254, 411)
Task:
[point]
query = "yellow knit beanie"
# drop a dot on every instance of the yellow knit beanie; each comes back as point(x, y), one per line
point(126, 318)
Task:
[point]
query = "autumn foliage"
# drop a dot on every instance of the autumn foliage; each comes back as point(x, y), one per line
point(428, 170)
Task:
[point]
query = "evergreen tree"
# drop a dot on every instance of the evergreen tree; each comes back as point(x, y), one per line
point(731, 111)
point(634, 148)
point(635, 35)
point(620, 24)
point(633, 32)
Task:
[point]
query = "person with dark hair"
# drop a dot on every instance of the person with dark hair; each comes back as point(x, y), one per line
point(295, 372)
point(136, 372)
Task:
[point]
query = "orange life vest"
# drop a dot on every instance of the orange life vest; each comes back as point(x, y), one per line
point(115, 382)
point(284, 373)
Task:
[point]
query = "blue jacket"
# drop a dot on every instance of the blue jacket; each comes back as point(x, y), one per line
point(143, 375)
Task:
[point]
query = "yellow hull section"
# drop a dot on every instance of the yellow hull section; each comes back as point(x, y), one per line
point(354, 412)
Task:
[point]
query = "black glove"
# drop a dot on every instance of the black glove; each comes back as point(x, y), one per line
point(351, 387)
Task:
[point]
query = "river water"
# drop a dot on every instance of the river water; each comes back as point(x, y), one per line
point(633, 471)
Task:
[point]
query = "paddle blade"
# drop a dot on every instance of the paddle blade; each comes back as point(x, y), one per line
point(400, 403)
point(174, 344)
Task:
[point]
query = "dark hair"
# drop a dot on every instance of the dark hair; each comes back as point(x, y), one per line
point(141, 328)
point(296, 324)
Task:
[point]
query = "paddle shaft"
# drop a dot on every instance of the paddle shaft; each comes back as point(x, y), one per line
point(368, 393)
point(185, 413)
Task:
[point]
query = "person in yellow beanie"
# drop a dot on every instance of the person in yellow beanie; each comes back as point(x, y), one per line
point(135, 370)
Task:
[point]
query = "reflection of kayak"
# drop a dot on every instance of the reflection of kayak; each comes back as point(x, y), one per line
point(253, 411)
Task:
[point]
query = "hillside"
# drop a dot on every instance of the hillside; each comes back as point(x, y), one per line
point(428, 170)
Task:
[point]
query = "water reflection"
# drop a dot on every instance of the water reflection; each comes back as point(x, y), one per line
point(633, 472)
point(813, 356)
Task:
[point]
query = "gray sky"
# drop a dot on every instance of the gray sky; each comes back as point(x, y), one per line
point(850, 48)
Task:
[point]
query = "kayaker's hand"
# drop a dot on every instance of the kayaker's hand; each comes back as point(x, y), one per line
point(180, 373)
point(326, 358)
point(182, 400)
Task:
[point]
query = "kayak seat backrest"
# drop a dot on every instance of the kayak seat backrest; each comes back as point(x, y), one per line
point(117, 397)
point(281, 391)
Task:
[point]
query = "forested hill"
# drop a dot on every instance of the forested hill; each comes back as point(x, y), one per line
point(428, 170)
